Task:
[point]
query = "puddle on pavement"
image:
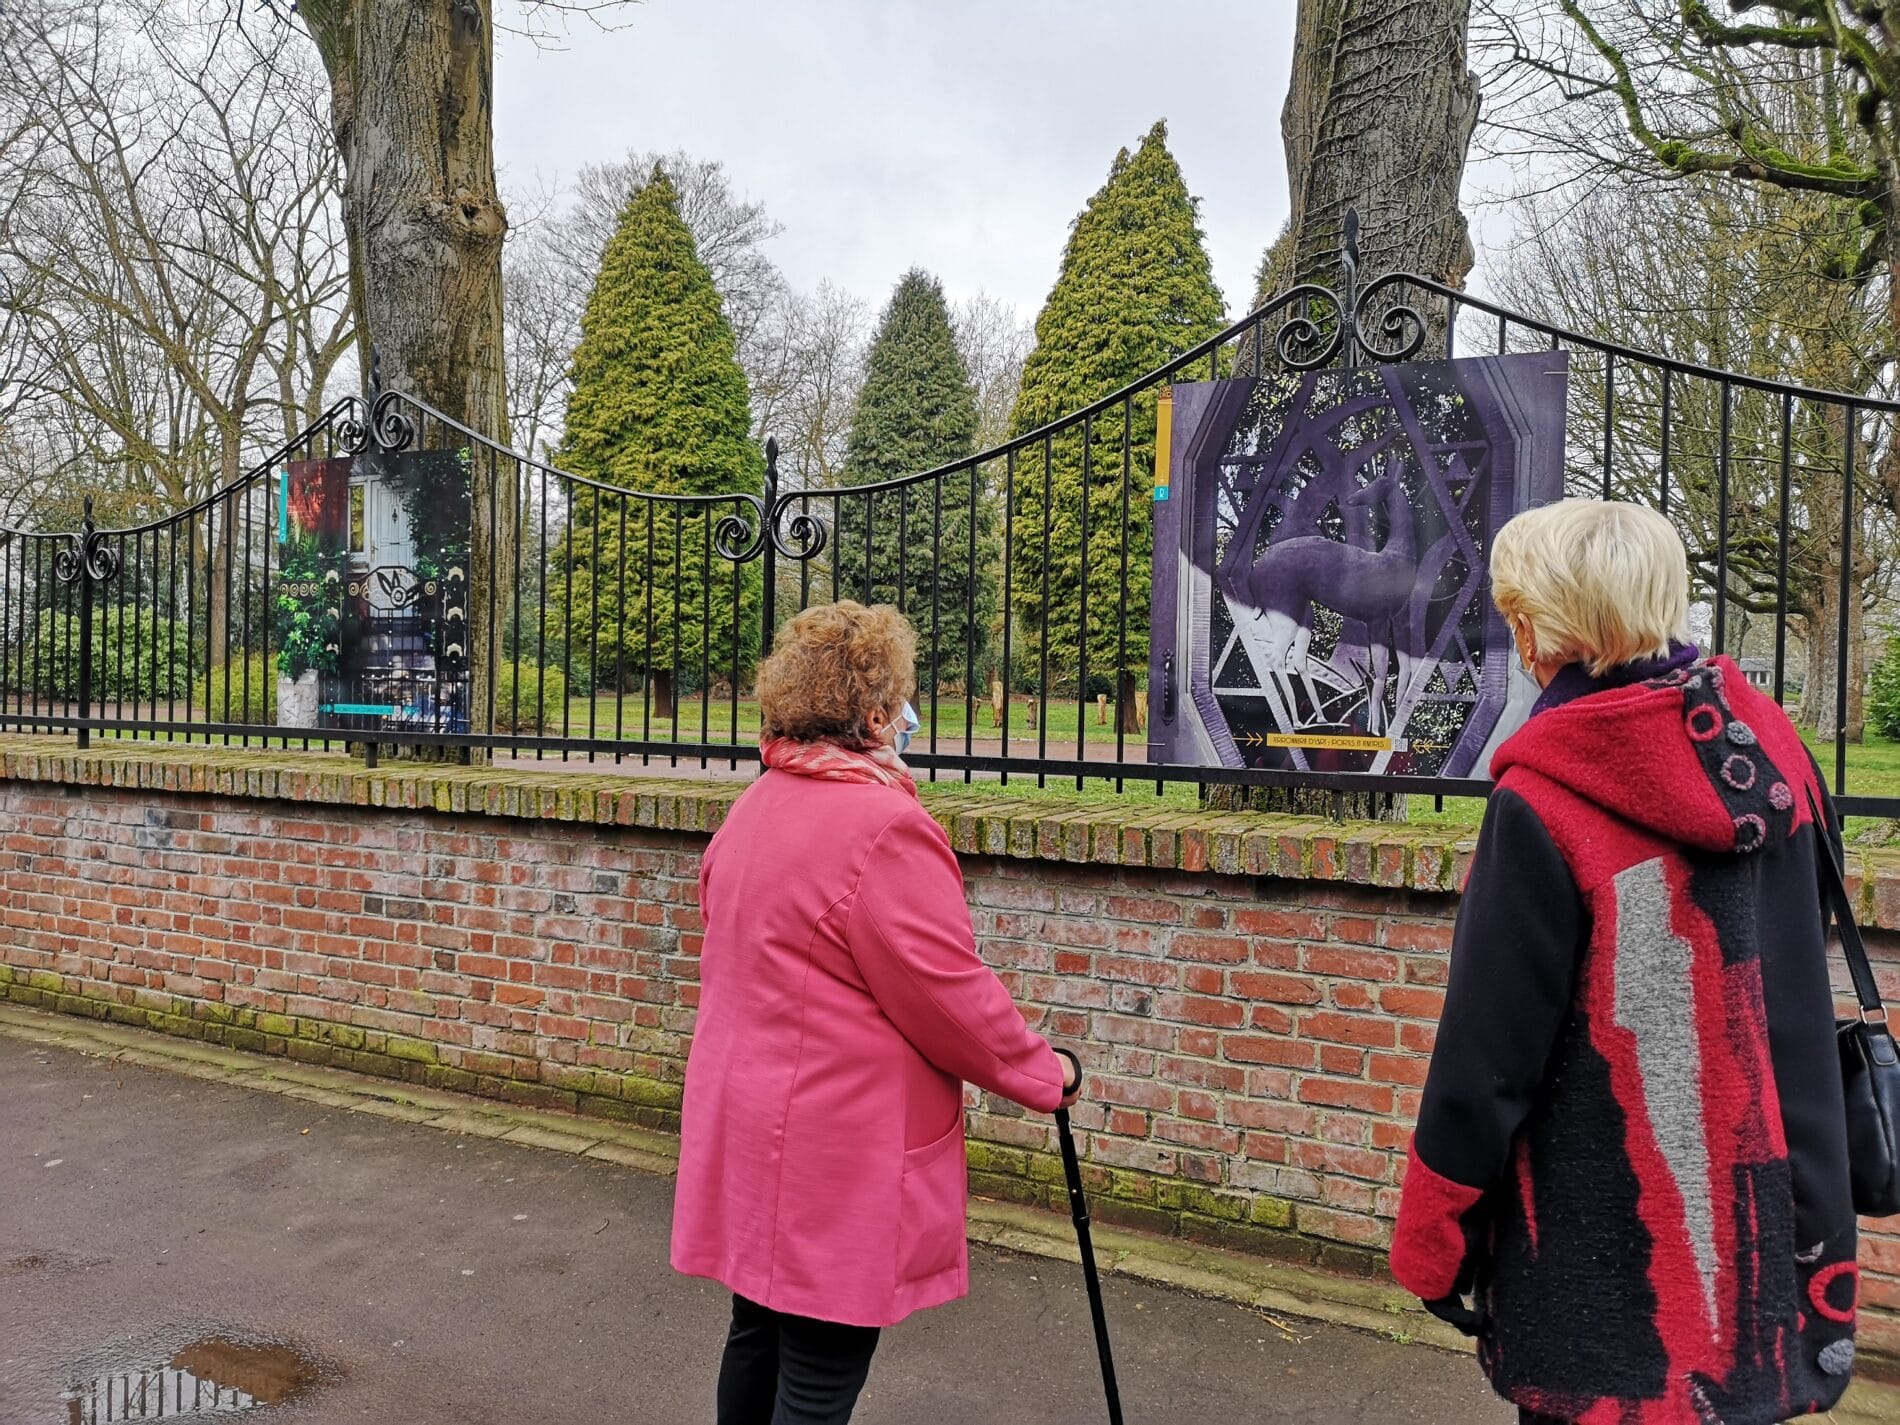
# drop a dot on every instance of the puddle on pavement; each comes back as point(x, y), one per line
point(214, 1375)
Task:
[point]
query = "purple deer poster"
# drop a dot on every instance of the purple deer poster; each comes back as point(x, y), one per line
point(1320, 592)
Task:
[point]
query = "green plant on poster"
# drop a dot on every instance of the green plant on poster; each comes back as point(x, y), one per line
point(307, 605)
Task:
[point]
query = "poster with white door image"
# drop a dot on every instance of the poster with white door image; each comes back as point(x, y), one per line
point(1321, 600)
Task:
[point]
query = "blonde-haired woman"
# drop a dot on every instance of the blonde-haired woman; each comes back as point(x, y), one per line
point(842, 1008)
point(1629, 1178)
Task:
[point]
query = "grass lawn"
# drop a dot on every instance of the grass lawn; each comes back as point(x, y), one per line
point(1873, 769)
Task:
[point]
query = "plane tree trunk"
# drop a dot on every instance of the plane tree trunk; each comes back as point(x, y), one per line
point(1378, 117)
point(412, 106)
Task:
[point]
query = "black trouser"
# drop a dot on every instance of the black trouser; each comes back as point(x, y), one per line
point(791, 1370)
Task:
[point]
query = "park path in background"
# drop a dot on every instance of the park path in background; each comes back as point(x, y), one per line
point(428, 1275)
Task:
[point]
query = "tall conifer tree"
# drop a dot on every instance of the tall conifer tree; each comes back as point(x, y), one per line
point(658, 405)
point(916, 411)
point(1135, 288)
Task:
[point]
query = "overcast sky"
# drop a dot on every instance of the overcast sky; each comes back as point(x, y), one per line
point(961, 136)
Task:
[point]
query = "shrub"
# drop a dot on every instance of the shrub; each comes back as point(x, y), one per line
point(222, 696)
point(135, 656)
point(1883, 707)
point(529, 698)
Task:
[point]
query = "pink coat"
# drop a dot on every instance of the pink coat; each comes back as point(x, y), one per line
point(842, 1006)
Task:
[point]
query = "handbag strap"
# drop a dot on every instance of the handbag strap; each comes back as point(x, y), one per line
point(1834, 883)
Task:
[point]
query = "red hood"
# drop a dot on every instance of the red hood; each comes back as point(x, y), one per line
point(1696, 756)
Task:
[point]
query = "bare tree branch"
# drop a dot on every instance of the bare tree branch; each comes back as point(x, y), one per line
point(170, 236)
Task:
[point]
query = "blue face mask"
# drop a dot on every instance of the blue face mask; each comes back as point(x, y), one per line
point(907, 725)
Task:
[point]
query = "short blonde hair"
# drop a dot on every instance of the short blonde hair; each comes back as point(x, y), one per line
point(833, 664)
point(1598, 583)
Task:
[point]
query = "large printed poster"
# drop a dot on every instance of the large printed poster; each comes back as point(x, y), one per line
point(405, 611)
point(313, 527)
point(1320, 592)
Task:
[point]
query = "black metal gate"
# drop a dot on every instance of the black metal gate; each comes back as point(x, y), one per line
point(618, 624)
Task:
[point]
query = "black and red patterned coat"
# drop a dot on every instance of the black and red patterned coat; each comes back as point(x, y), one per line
point(1631, 1149)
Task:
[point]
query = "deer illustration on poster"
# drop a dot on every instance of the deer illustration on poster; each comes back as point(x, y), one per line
point(1320, 578)
point(1374, 587)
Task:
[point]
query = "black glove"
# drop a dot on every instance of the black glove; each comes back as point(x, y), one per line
point(1454, 1313)
point(1451, 1308)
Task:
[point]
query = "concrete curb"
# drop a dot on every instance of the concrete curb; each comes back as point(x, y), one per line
point(1276, 1289)
point(337, 1088)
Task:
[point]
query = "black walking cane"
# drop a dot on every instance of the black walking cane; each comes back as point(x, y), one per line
point(1079, 1211)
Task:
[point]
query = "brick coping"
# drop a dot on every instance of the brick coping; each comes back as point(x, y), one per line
point(1377, 854)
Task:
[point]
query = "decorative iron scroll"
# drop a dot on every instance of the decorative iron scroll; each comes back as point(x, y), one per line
point(1325, 322)
point(738, 538)
point(86, 550)
point(1304, 341)
point(800, 538)
point(1401, 328)
point(362, 424)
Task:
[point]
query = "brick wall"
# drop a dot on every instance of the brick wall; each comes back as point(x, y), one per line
point(1257, 1044)
point(1257, 1034)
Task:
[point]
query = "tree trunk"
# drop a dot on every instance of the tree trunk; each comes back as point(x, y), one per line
point(1818, 691)
point(1817, 676)
point(1378, 117)
point(228, 562)
point(663, 701)
point(1130, 711)
point(412, 100)
point(217, 567)
point(1824, 490)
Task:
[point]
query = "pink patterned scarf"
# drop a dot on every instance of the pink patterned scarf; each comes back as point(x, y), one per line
point(835, 762)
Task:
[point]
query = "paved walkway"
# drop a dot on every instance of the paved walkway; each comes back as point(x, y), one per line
point(429, 1274)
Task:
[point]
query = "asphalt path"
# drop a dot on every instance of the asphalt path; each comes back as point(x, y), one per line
point(153, 1225)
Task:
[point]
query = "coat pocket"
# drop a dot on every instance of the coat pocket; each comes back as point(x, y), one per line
point(931, 1231)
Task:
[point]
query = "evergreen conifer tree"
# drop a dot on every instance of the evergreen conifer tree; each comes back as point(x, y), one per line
point(1135, 289)
point(917, 411)
point(658, 405)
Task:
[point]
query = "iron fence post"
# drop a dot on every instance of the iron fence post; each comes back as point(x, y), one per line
point(768, 613)
point(85, 563)
point(85, 631)
point(1349, 308)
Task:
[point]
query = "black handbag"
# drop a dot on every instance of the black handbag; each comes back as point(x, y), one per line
point(1870, 1062)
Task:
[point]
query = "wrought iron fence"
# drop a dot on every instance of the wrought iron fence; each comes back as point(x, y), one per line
point(571, 618)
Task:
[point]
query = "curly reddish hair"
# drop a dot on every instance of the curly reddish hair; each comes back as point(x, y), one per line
point(834, 663)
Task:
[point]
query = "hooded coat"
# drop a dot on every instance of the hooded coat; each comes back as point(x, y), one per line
point(1631, 1145)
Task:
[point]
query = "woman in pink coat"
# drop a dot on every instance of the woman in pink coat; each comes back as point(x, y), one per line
point(842, 1008)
